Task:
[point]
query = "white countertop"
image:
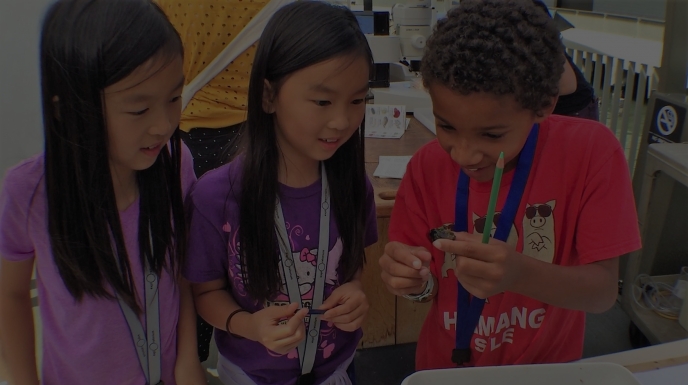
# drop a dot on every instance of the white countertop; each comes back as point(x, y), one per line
point(661, 352)
point(663, 364)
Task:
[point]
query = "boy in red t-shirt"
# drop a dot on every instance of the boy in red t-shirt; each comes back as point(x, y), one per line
point(565, 211)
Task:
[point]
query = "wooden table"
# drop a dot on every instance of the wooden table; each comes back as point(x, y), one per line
point(391, 320)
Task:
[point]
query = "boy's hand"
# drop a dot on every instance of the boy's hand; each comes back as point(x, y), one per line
point(483, 269)
point(405, 269)
point(346, 307)
point(189, 372)
point(264, 326)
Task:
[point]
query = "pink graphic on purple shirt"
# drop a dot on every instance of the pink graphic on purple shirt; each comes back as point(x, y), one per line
point(305, 261)
point(306, 265)
point(234, 271)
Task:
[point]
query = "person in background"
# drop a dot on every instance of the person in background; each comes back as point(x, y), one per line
point(576, 95)
point(211, 123)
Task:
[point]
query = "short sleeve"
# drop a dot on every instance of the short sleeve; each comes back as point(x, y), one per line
point(15, 204)
point(607, 224)
point(207, 252)
point(187, 170)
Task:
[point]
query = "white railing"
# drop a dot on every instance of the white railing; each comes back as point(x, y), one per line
point(631, 26)
point(624, 88)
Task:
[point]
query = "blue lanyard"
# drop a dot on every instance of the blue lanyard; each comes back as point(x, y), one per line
point(469, 309)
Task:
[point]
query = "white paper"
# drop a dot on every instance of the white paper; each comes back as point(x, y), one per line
point(392, 167)
point(385, 121)
point(426, 118)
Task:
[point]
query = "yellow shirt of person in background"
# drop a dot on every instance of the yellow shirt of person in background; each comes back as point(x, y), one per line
point(206, 27)
point(210, 122)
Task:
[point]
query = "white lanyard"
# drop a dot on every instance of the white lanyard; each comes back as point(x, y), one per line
point(309, 346)
point(147, 345)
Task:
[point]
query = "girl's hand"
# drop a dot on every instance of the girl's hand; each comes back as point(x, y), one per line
point(264, 326)
point(189, 372)
point(483, 269)
point(346, 307)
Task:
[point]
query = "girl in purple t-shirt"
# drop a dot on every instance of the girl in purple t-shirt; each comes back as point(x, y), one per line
point(100, 212)
point(279, 233)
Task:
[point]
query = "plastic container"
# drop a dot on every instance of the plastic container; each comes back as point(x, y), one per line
point(594, 373)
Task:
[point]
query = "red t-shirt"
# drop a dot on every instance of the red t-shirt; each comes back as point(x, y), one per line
point(580, 210)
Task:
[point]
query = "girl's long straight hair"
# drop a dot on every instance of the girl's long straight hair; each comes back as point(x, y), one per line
point(297, 36)
point(87, 45)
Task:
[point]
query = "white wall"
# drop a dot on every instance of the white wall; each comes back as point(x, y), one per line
point(21, 133)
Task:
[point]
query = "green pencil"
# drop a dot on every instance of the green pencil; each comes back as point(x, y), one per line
point(496, 181)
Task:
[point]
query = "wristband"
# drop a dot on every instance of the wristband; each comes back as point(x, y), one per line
point(229, 319)
point(427, 292)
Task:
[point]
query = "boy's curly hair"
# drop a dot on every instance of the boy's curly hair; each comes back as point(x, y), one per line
point(499, 47)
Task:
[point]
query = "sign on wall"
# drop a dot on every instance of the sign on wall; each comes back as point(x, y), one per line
point(667, 122)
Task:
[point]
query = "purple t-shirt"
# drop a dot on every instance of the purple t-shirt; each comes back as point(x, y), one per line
point(85, 342)
point(213, 255)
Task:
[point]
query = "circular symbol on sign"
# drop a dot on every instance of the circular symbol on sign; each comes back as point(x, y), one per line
point(666, 120)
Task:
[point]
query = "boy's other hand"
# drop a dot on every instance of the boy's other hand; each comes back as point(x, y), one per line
point(483, 269)
point(405, 269)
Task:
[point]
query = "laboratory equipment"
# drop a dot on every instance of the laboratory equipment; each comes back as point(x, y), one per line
point(413, 22)
point(385, 48)
point(664, 171)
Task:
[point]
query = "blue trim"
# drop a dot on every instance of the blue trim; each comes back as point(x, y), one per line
point(469, 309)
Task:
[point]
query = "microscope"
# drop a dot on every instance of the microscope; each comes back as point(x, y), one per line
point(413, 23)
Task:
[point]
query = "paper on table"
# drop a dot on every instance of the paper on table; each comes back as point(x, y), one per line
point(392, 167)
point(385, 121)
point(426, 118)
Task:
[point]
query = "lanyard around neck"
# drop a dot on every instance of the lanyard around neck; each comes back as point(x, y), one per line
point(148, 345)
point(468, 309)
point(309, 345)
